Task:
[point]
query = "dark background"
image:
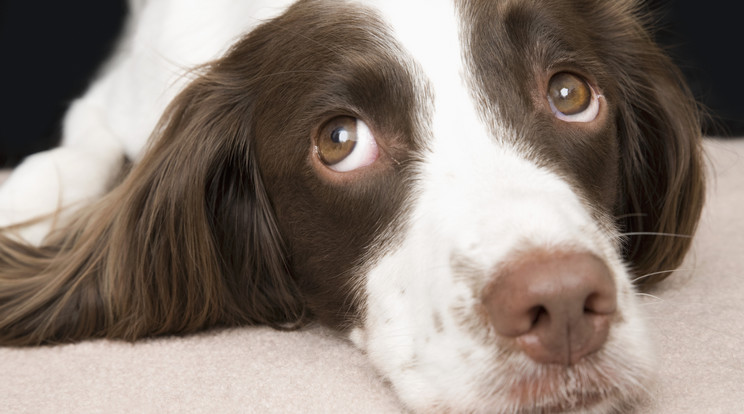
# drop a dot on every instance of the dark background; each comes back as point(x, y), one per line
point(50, 49)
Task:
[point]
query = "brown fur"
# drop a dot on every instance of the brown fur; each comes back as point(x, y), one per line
point(644, 164)
point(204, 231)
point(165, 252)
point(224, 221)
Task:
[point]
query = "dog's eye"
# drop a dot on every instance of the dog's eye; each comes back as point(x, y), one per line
point(572, 99)
point(345, 144)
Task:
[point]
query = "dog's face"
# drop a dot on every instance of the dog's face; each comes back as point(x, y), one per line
point(467, 187)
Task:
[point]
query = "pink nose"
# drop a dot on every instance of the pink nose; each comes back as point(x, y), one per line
point(558, 306)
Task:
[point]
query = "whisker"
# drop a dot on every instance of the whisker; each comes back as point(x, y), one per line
point(661, 272)
point(650, 233)
point(622, 216)
point(649, 296)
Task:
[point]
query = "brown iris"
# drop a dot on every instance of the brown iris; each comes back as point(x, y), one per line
point(337, 139)
point(569, 93)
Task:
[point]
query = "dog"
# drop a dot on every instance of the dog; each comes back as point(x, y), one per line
point(472, 190)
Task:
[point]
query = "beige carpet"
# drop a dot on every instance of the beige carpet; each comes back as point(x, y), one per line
point(697, 319)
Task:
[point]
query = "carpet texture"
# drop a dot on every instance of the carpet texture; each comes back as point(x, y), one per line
point(696, 319)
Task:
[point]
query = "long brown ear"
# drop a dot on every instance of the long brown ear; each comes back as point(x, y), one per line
point(662, 168)
point(187, 241)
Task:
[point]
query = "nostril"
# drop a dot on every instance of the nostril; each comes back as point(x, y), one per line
point(601, 303)
point(535, 313)
point(558, 306)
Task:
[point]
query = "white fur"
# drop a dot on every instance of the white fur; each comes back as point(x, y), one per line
point(164, 39)
point(512, 206)
point(480, 200)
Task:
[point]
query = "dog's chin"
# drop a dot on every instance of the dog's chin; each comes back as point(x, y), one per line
point(575, 404)
point(599, 384)
point(588, 387)
point(545, 395)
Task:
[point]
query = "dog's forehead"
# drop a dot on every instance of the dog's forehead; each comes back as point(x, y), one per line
point(432, 33)
point(429, 31)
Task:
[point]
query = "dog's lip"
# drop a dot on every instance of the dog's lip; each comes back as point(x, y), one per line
point(565, 403)
point(559, 403)
point(554, 391)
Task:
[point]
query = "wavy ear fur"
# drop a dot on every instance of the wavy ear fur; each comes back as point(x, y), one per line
point(662, 175)
point(186, 242)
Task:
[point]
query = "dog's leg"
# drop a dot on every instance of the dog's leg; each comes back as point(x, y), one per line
point(49, 185)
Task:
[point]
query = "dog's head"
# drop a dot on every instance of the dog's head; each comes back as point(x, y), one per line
point(469, 188)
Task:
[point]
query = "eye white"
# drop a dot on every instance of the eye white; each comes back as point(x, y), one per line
point(365, 151)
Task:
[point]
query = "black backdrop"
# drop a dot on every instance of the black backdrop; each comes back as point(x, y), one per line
point(50, 49)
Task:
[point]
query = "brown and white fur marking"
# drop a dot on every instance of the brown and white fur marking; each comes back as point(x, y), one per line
point(472, 189)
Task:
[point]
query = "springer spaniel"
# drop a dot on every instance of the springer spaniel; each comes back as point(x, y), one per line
point(473, 190)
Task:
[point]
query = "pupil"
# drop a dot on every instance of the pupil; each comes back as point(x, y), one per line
point(339, 136)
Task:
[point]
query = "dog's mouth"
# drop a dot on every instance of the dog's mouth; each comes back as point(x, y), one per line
point(581, 387)
point(560, 403)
